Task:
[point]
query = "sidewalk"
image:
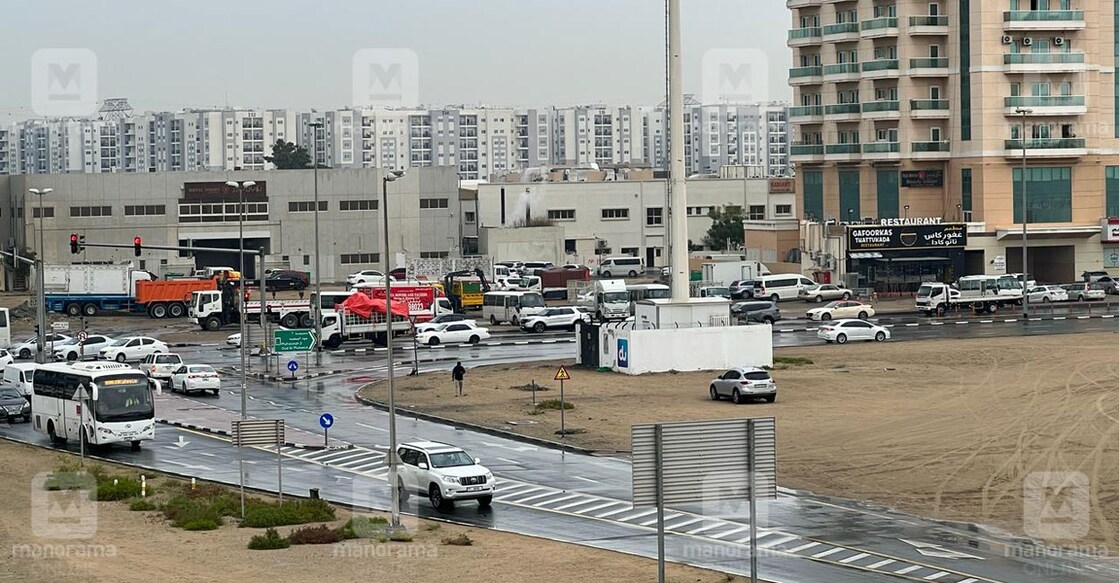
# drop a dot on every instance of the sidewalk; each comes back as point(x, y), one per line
point(179, 412)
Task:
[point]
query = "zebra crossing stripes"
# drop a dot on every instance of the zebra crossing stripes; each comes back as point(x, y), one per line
point(558, 500)
point(576, 503)
point(936, 576)
point(726, 533)
point(826, 553)
point(856, 557)
point(777, 541)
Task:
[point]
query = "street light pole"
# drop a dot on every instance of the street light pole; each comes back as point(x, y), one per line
point(41, 303)
point(317, 309)
point(241, 186)
point(385, 180)
point(1025, 222)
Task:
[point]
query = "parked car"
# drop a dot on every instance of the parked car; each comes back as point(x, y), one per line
point(399, 273)
point(825, 291)
point(160, 366)
point(88, 348)
point(6, 358)
point(1093, 276)
point(841, 309)
point(840, 331)
point(1109, 284)
point(1048, 293)
point(1084, 291)
point(455, 332)
point(761, 311)
point(287, 280)
point(1020, 276)
point(742, 289)
point(740, 384)
point(131, 348)
point(189, 378)
point(235, 338)
point(14, 406)
point(365, 276)
point(26, 349)
point(559, 317)
point(444, 474)
point(442, 319)
point(573, 266)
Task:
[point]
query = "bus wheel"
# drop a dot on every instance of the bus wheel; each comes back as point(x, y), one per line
point(54, 436)
point(212, 323)
point(74, 310)
point(135, 446)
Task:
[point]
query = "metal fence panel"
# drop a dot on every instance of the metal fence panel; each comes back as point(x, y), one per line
point(258, 432)
point(701, 457)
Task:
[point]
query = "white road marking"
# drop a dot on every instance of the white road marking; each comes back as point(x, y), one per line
point(969, 580)
point(599, 507)
point(1082, 317)
point(804, 547)
point(777, 541)
point(574, 504)
point(706, 528)
point(912, 325)
point(564, 499)
point(854, 558)
point(831, 551)
point(880, 564)
point(1059, 318)
point(908, 569)
point(534, 497)
point(936, 576)
point(641, 514)
point(371, 427)
point(613, 512)
point(729, 532)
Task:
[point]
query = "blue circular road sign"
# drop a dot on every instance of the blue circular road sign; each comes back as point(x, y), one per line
point(293, 365)
point(326, 420)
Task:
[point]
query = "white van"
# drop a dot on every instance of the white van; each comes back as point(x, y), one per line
point(511, 306)
point(778, 287)
point(20, 376)
point(619, 266)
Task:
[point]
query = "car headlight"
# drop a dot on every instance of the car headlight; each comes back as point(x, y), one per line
point(489, 477)
point(450, 479)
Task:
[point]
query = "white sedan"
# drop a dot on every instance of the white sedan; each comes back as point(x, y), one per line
point(132, 348)
point(453, 333)
point(190, 378)
point(842, 309)
point(442, 319)
point(1048, 293)
point(88, 348)
point(6, 358)
point(840, 331)
point(365, 276)
point(26, 349)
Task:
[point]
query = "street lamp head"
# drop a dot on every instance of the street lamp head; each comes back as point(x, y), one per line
point(1023, 111)
point(41, 191)
point(906, 207)
point(248, 184)
point(232, 184)
point(398, 173)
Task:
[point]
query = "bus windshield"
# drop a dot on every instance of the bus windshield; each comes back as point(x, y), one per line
point(532, 301)
point(658, 294)
point(123, 398)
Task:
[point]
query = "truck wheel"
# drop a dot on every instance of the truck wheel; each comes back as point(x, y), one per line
point(158, 311)
point(74, 310)
point(176, 310)
point(212, 323)
point(942, 310)
point(333, 342)
point(307, 321)
point(90, 310)
point(290, 321)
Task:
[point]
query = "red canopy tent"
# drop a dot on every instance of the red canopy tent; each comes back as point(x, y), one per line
point(365, 306)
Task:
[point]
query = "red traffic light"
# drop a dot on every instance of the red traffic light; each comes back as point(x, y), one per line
point(74, 243)
point(136, 245)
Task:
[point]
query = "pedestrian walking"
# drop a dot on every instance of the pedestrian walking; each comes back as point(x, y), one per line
point(457, 375)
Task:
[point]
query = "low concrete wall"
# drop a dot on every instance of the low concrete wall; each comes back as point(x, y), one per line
point(522, 243)
point(635, 352)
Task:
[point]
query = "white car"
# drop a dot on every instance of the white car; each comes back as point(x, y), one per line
point(559, 317)
point(826, 291)
point(840, 331)
point(6, 358)
point(160, 366)
point(453, 333)
point(235, 338)
point(365, 276)
point(26, 349)
point(841, 309)
point(131, 348)
point(1044, 294)
point(443, 319)
point(89, 348)
point(443, 474)
point(740, 384)
point(189, 378)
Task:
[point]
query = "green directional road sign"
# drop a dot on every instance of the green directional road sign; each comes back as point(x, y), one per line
point(293, 340)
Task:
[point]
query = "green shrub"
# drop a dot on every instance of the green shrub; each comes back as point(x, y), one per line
point(400, 536)
point(260, 514)
point(270, 540)
point(459, 540)
point(363, 527)
point(555, 404)
point(69, 480)
point(197, 514)
point(110, 488)
point(142, 506)
point(793, 360)
point(314, 535)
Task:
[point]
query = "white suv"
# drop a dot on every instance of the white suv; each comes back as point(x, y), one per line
point(161, 366)
point(443, 473)
point(558, 317)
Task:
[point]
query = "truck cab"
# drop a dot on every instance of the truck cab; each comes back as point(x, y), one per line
point(610, 300)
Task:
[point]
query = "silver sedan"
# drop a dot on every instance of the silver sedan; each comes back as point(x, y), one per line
point(824, 292)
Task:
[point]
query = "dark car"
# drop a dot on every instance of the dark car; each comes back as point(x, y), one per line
point(286, 280)
point(14, 406)
point(742, 289)
point(760, 311)
point(399, 273)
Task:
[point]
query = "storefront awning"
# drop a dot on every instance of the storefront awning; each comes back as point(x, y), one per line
point(1034, 232)
point(865, 255)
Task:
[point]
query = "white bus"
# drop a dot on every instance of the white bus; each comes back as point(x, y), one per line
point(5, 329)
point(647, 291)
point(117, 408)
point(511, 306)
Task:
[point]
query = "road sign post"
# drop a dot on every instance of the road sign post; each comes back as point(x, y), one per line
point(260, 432)
point(82, 336)
point(293, 366)
point(562, 375)
point(293, 340)
point(326, 420)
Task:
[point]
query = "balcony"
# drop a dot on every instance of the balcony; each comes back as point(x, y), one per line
point(1043, 20)
point(880, 68)
point(928, 25)
point(806, 112)
point(882, 151)
point(842, 111)
point(928, 108)
point(806, 75)
point(806, 153)
point(879, 27)
point(842, 152)
point(1044, 105)
point(841, 31)
point(799, 37)
point(930, 150)
point(1044, 62)
point(801, 3)
point(928, 67)
point(1047, 148)
point(881, 110)
point(841, 72)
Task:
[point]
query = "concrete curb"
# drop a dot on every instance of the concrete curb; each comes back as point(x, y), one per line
point(281, 378)
point(479, 428)
point(225, 433)
point(455, 346)
point(987, 319)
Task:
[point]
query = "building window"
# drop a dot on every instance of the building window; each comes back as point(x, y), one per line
point(468, 216)
point(615, 214)
point(699, 211)
point(965, 189)
point(783, 210)
point(654, 216)
point(353, 258)
point(561, 215)
point(48, 212)
point(814, 195)
point(358, 205)
point(306, 206)
point(433, 254)
point(142, 210)
point(434, 203)
point(306, 260)
point(1050, 194)
point(218, 213)
point(756, 212)
point(965, 69)
point(887, 194)
point(631, 251)
point(90, 211)
point(569, 246)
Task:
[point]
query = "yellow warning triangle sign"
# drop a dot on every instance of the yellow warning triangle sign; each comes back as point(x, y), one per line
point(561, 374)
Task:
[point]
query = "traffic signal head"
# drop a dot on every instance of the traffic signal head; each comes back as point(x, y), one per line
point(136, 245)
point(74, 243)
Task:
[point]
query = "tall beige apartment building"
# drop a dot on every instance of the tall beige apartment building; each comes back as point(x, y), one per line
point(929, 110)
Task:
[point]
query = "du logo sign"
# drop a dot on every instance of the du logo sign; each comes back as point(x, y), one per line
point(623, 353)
point(64, 82)
point(735, 76)
point(386, 78)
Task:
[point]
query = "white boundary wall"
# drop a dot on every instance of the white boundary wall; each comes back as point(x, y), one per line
point(637, 352)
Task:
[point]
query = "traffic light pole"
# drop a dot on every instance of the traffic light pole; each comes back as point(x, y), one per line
point(41, 296)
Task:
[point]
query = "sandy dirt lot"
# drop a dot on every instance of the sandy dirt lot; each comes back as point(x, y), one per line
point(947, 429)
point(141, 547)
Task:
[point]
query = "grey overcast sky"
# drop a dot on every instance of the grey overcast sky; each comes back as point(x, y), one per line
point(170, 54)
